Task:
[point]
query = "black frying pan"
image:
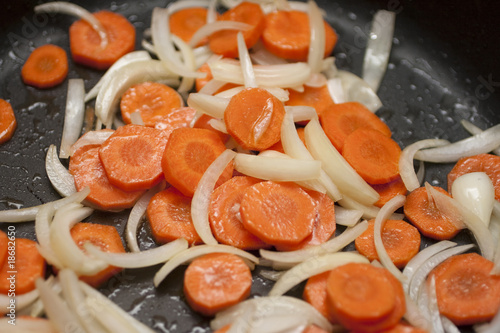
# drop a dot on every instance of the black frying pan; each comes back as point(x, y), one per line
point(444, 67)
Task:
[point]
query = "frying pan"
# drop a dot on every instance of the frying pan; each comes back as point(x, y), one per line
point(443, 68)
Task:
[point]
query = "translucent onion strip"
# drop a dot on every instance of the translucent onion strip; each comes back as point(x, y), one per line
point(27, 325)
point(317, 37)
point(347, 217)
point(437, 325)
point(91, 138)
point(178, 5)
point(473, 129)
point(246, 62)
point(213, 106)
point(188, 57)
point(475, 192)
point(22, 301)
point(42, 230)
point(358, 90)
point(336, 90)
point(59, 176)
point(481, 143)
point(378, 48)
point(261, 56)
point(197, 251)
point(406, 170)
point(73, 116)
point(213, 27)
point(301, 112)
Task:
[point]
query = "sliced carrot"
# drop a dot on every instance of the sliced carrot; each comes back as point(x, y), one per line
point(401, 241)
point(132, 156)
point(203, 122)
point(225, 218)
point(169, 216)
point(25, 265)
point(373, 155)
point(424, 215)
point(324, 223)
point(487, 163)
point(389, 190)
point(86, 167)
point(315, 294)
point(403, 327)
point(185, 22)
point(8, 121)
point(152, 100)
point(223, 329)
point(466, 292)
point(46, 67)
point(317, 97)
point(189, 152)
point(85, 42)
point(340, 120)
point(281, 214)
point(287, 35)
point(224, 42)
point(253, 118)
point(4, 241)
point(176, 118)
point(107, 238)
point(313, 329)
point(216, 281)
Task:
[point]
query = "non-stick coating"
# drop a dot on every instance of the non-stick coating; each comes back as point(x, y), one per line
point(443, 68)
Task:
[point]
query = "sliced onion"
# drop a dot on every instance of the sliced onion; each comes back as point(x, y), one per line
point(27, 325)
point(291, 258)
point(336, 167)
point(22, 301)
point(109, 319)
point(201, 198)
point(136, 118)
point(197, 251)
point(449, 326)
point(437, 325)
point(213, 106)
point(347, 217)
point(378, 48)
point(75, 10)
point(492, 327)
point(316, 80)
point(276, 169)
point(210, 28)
point(218, 125)
point(91, 138)
point(261, 56)
point(246, 62)
point(313, 266)
point(336, 90)
point(358, 90)
point(42, 231)
point(73, 116)
point(317, 37)
point(406, 170)
point(211, 87)
point(188, 57)
point(271, 274)
point(59, 176)
point(473, 129)
point(301, 112)
point(415, 316)
point(140, 259)
point(369, 211)
point(179, 5)
point(281, 94)
point(481, 143)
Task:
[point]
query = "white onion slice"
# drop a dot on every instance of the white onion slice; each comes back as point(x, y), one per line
point(42, 232)
point(449, 326)
point(179, 5)
point(481, 143)
point(218, 124)
point(336, 167)
point(213, 27)
point(291, 258)
point(317, 37)
point(245, 62)
point(261, 56)
point(277, 169)
point(271, 274)
point(492, 327)
point(91, 138)
point(211, 87)
point(197, 251)
point(59, 176)
point(188, 57)
point(22, 301)
point(437, 325)
point(415, 316)
point(358, 90)
point(68, 8)
point(213, 106)
point(301, 112)
point(316, 80)
point(108, 318)
point(336, 90)
point(140, 259)
point(378, 48)
point(201, 198)
point(281, 94)
point(421, 172)
point(73, 116)
point(311, 267)
point(406, 170)
point(347, 217)
point(27, 325)
point(473, 129)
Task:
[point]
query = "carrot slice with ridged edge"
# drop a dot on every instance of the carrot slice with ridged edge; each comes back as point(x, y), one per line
point(46, 67)
point(389, 190)
point(466, 292)
point(169, 216)
point(404, 327)
point(152, 100)
point(315, 294)
point(176, 118)
point(85, 42)
point(317, 97)
point(216, 281)
point(8, 122)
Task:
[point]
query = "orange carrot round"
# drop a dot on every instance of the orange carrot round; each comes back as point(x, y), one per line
point(287, 35)
point(424, 215)
point(152, 100)
point(185, 22)
point(46, 67)
point(389, 190)
point(401, 241)
point(8, 121)
point(315, 294)
point(404, 327)
point(466, 292)
point(216, 281)
point(317, 97)
point(85, 43)
point(374, 156)
point(203, 122)
point(169, 216)
point(253, 118)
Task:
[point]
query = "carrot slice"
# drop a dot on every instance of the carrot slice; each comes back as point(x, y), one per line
point(169, 215)
point(46, 67)
point(287, 35)
point(27, 266)
point(400, 239)
point(225, 218)
point(374, 156)
point(315, 294)
point(132, 155)
point(404, 327)
point(317, 97)
point(86, 167)
point(185, 22)
point(424, 215)
point(281, 214)
point(324, 223)
point(203, 122)
point(85, 43)
point(216, 281)
point(152, 100)
point(487, 163)
point(340, 120)
point(389, 190)
point(107, 238)
point(8, 122)
point(189, 152)
point(466, 292)
point(176, 118)
point(313, 329)
point(253, 118)
point(224, 42)
point(4, 241)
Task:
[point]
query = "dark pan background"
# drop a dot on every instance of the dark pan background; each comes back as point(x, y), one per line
point(444, 67)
